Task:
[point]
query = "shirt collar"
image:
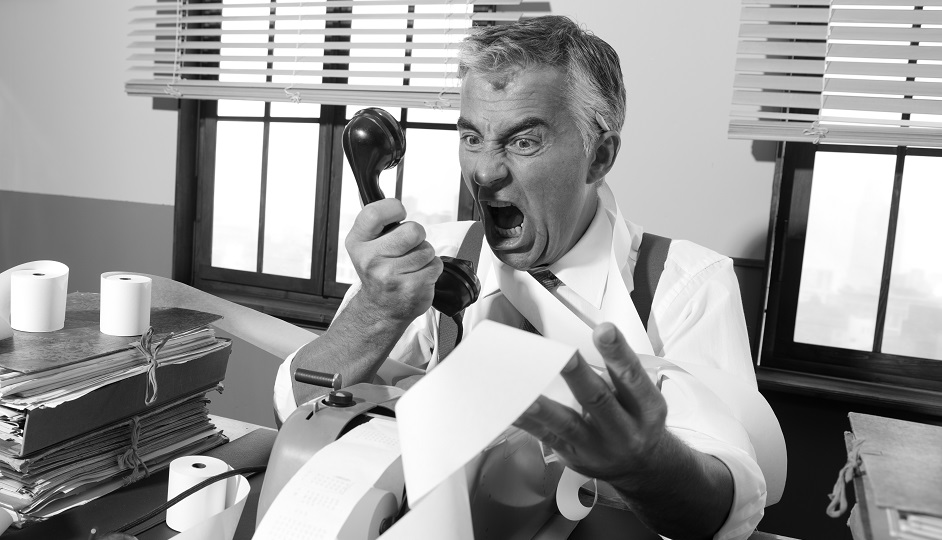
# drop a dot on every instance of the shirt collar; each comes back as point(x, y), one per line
point(584, 269)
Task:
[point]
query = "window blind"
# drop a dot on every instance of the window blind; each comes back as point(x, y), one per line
point(397, 53)
point(839, 71)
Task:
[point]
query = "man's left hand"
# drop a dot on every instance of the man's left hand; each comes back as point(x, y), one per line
point(621, 426)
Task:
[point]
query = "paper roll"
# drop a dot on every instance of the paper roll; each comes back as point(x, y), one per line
point(345, 491)
point(186, 472)
point(37, 296)
point(125, 304)
point(371, 516)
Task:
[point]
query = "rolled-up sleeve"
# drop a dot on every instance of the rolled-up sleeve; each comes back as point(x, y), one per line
point(697, 318)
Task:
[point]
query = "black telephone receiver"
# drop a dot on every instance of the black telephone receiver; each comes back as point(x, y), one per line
point(374, 141)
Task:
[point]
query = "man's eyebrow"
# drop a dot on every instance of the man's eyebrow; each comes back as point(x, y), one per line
point(464, 123)
point(529, 122)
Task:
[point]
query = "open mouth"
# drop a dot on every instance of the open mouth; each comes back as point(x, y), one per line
point(507, 218)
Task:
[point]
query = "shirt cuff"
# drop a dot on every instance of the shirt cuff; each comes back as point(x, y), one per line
point(283, 395)
point(749, 490)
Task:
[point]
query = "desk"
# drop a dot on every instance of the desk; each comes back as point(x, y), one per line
point(901, 470)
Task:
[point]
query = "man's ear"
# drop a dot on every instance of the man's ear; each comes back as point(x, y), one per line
point(605, 151)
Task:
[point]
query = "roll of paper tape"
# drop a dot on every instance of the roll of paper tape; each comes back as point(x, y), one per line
point(37, 296)
point(125, 304)
point(186, 472)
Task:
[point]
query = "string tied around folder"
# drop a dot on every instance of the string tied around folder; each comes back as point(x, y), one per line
point(149, 349)
point(130, 459)
point(838, 495)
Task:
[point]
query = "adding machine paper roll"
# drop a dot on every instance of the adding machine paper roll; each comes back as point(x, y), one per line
point(223, 525)
point(125, 304)
point(355, 483)
point(32, 297)
point(186, 472)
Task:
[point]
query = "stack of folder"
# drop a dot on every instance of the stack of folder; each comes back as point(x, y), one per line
point(83, 413)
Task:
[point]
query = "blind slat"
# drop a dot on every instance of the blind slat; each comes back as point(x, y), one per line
point(778, 65)
point(899, 88)
point(216, 32)
point(501, 16)
point(784, 31)
point(338, 45)
point(788, 15)
point(776, 99)
point(776, 48)
point(400, 74)
point(303, 59)
point(778, 82)
point(887, 16)
point(888, 52)
point(788, 131)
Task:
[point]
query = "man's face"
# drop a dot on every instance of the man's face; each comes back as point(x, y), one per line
point(523, 160)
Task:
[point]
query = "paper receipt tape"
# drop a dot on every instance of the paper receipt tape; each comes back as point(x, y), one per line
point(125, 304)
point(446, 419)
point(32, 297)
point(264, 331)
point(211, 513)
point(350, 490)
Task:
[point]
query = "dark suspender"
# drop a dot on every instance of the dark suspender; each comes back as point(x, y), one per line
point(652, 254)
point(469, 250)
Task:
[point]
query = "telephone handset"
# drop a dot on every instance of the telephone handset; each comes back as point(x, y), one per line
point(374, 141)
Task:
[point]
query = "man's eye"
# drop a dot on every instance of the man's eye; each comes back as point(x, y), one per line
point(471, 139)
point(524, 146)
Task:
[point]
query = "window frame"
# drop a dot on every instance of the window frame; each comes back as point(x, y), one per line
point(309, 302)
point(886, 376)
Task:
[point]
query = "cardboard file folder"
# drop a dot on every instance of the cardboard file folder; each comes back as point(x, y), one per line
point(80, 343)
point(123, 399)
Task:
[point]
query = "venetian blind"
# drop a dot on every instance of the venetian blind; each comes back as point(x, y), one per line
point(839, 71)
point(398, 53)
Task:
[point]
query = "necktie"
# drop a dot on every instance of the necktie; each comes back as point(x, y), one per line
point(547, 279)
point(550, 282)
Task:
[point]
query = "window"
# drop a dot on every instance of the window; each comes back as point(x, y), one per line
point(277, 198)
point(856, 271)
point(853, 91)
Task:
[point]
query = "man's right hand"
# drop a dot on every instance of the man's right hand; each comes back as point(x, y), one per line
point(398, 270)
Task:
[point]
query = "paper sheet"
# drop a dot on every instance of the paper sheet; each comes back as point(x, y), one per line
point(508, 366)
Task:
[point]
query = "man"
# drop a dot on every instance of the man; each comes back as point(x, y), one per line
point(542, 106)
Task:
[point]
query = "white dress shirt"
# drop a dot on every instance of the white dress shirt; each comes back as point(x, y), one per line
point(696, 317)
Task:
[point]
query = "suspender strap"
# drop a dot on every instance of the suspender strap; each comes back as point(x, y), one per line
point(652, 254)
point(469, 250)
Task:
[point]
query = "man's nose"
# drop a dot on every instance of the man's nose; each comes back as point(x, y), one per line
point(490, 169)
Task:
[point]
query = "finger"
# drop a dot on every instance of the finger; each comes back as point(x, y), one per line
point(369, 223)
point(415, 259)
point(401, 240)
point(593, 393)
point(553, 423)
point(633, 388)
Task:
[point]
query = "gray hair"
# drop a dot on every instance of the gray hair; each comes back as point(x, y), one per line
point(595, 84)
